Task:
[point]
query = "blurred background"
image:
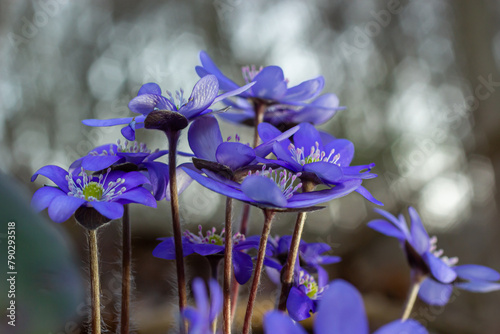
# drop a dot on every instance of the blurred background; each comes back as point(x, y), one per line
point(421, 84)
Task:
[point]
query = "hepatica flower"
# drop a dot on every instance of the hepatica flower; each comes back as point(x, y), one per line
point(340, 311)
point(206, 311)
point(284, 104)
point(106, 193)
point(128, 157)
point(271, 189)
point(174, 111)
point(212, 244)
point(438, 274)
point(319, 157)
point(304, 296)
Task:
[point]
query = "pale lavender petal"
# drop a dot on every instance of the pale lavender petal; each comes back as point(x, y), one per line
point(61, 208)
point(435, 293)
point(111, 210)
point(204, 137)
point(44, 196)
point(55, 174)
point(476, 272)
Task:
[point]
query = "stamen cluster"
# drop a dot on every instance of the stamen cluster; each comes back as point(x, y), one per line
point(313, 291)
point(86, 188)
point(211, 237)
point(439, 253)
point(178, 100)
point(315, 155)
point(283, 179)
point(249, 72)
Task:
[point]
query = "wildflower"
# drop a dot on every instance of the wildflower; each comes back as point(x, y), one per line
point(206, 311)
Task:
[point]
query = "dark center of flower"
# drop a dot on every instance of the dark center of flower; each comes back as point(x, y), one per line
point(315, 155)
point(284, 180)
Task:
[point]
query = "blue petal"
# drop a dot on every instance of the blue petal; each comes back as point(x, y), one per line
point(281, 151)
point(150, 88)
point(235, 155)
point(243, 265)
point(400, 224)
point(277, 322)
point(138, 195)
point(440, 270)
point(132, 179)
point(316, 197)
point(478, 286)
point(200, 296)
point(435, 293)
point(204, 93)
point(476, 272)
point(209, 66)
point(263, 190)
point(366, 194)
point(158, 176)
point(319, 111)
point(384, 227)
point(306, 90)
point(267, 131)
point(419, 237)
point(166, 249)
point(299, 305)
point(61, 208)
point(107, 122)
point(111, 210)
point(322, 276)
point(216, 299)
point(234, 92)
point(327, 172)
point(265, 148)
point(344, 148)
point(207, 249)
point(341, 310)
point(270, 83)
point(54, 173)
point(307, 137)
point(43, 196)
point(146, 103)
point(100, 162)
point(129, 131)
point(204, 137)
point(399, 327)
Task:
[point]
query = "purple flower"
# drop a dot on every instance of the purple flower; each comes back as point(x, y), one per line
point(128, 156)
point(276, 189)
point(106, 193)
point(310, 257)
point(212, 244)
point(420, 250)
point(149, 99)
point(206, 311)
point(284, 104)
point(318, 156)
point(304, 296)
point(340, 311)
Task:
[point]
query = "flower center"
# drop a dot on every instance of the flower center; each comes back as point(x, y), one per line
point(134, 147)
point(93, 189)
point(178, 99)
point(284, 180)
point(313, 291)
point(212, 237)
point(86, 188)
point(249, 72)
point(315, 155)
point(450, 261)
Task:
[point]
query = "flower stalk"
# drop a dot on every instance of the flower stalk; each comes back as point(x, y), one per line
point(126, 271)
point(173, 137)
point(95, 289)
point(412, 296)
point(269, 215)
point(228, 259)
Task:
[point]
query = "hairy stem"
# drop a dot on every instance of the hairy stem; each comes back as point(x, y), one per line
point(269, 215)
point(260, 109)
point(95, 289)
point(126, 271)
point(173, 138)
point(228, 261)
point(289, 267)
point(412, 297)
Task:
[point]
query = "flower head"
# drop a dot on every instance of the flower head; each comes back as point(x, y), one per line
point(318, 156)
point(269, 188)
point(283, 104)
point(106, 193)
point(174, 112)
point(340, 311)
point(206, 311)
point(304, 296)
point(212, 244)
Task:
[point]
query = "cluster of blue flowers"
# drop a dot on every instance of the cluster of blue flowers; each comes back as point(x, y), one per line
point(291, 167)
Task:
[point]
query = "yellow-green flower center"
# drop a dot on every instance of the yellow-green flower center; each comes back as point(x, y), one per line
point(215, 239)
point(313, 290)
point(94, 190)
